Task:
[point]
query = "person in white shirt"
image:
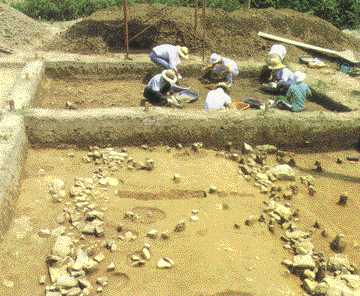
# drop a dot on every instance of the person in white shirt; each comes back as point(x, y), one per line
point(218, 98)
point(168, 56)
point(222, 68)
point(159, 85)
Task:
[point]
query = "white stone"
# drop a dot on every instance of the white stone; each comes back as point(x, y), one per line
point(111, 266)
point(135, 258)
point(113, 181)
point(194, 218)
point(103, 181)
point(63, 246)
point(99, 257)
point(165, 263)
point(283, 172)
point(44, 233)
point(8, 283)
point(42, 280)
point(145, 254)
point(303, 261)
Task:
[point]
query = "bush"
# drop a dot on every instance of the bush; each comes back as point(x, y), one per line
point(62, 10)
point(341, 13)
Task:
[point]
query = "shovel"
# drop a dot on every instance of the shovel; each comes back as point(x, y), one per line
point(348, 55)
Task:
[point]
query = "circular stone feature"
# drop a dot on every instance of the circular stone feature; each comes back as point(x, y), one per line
point(147, 215)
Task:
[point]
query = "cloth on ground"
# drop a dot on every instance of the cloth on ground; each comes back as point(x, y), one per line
point(254, 103)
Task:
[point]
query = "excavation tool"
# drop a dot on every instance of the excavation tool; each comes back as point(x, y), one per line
point(348, 55)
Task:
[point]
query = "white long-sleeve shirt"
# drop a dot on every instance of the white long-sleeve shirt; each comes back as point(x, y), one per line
point(168, 52)
point(217, 99)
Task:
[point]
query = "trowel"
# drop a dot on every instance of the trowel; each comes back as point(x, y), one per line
point(348, 55)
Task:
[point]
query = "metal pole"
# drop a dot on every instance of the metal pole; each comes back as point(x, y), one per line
point(204, 24)
point(126, 30)
point(195, 26)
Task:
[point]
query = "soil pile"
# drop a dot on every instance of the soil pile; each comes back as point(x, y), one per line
point(18, 30)
point(234, 34)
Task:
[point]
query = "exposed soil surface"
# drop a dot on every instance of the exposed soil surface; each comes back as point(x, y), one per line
point(18, 31)
point(233, 34)
point(96, 93)
point(211, 256)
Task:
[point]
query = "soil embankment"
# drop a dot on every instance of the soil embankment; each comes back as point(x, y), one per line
point(233, 34)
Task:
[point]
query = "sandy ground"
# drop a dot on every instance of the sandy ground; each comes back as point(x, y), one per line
point(7, 79)
point(100, 93)
point(211, 256)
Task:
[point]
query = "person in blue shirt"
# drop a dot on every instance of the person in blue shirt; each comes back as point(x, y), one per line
point(296, 95)
point(281, 78)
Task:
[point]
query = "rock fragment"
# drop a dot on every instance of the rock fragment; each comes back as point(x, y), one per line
point(338, 244)
point(283, 172)
point(165, 263)
point(343, 199)
point(145, 254)
point(110, 267)
point(63, 246)
point(247, 148)
point(212, 189)
point(152, 233)
point(180, 226)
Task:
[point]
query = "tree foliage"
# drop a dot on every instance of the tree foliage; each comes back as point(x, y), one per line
point(341, 13)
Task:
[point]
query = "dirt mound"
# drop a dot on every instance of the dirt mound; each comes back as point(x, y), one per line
point(234, 34)
point(18, 30)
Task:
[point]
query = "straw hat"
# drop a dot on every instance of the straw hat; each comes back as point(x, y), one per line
point(299, 76)
point(276, 64)
point(224, 85)
point(215, 58)
point(169, 76)
point(183, 51)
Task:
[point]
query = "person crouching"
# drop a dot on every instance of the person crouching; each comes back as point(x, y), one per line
point(220, 69)
point(218, 98)
point(296, 95)
point(281, 78)
point(159, 85)
point(167, 56)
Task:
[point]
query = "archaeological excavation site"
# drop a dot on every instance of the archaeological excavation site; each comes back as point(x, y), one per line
point(104, 194)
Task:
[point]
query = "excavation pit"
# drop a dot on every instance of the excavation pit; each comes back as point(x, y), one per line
point(78, 88)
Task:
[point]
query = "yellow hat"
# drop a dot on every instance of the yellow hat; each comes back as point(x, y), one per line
point(276, 64)
point(169, 76)
point(183, 51)
point(224, 85)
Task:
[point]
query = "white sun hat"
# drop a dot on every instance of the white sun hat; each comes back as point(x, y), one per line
point(183, 51)
point(279, 50)
point(215, 58)
point(169, 76)
point(299, 76)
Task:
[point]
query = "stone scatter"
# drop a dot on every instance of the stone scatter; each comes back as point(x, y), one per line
point(82, 244)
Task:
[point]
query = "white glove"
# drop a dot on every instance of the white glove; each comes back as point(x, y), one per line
point(179, 76)
point(273, 84)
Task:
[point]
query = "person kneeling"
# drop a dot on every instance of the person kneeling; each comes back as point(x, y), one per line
point(218, 98)
point(220, 69)
point(296, 95)
point(159, 85)
point(281, 78)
